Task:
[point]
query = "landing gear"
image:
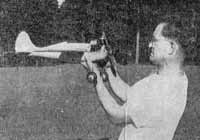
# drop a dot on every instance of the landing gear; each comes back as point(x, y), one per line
point(92, 77)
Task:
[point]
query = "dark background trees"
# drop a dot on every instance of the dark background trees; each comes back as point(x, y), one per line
point(83, 20)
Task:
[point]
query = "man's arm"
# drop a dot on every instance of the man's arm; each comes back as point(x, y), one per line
point(116, 111)
point(119, 87)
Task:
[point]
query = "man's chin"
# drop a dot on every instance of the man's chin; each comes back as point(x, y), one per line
point(154, 60)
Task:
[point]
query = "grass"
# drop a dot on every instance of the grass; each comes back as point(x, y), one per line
point(57, 103)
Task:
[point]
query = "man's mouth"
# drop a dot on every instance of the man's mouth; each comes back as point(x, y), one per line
point(151, 51)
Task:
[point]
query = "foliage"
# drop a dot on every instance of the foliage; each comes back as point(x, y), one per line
point(81, 21)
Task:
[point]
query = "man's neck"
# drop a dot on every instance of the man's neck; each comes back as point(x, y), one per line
point(172, 69)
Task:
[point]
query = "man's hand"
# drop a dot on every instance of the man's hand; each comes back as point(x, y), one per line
point(93, 42)
point(89, 57)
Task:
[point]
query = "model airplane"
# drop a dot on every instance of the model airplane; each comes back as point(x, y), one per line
point(24, 44)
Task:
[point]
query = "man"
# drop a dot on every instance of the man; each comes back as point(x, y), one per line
point(154, 105)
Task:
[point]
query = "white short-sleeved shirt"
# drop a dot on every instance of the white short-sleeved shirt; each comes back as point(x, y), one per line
point(155, 105)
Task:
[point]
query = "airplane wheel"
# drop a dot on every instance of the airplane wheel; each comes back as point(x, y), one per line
point(92, 77)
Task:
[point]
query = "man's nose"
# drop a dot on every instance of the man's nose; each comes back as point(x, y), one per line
point(151, 44)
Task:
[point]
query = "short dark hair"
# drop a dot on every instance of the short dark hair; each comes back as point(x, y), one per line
point(174, 31)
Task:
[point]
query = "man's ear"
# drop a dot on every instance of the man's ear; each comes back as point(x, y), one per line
point(173, 48)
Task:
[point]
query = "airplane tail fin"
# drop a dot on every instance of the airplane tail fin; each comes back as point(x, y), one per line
point(23, 43)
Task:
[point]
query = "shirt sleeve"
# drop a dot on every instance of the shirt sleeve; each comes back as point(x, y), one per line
point(135, 107)
point(136, 112)
point(143, 107)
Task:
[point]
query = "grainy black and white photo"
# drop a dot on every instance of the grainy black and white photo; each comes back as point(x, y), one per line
point(100, 70)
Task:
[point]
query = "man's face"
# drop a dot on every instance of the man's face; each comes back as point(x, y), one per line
point(160, 46)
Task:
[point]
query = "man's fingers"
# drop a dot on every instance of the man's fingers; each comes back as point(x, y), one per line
point(103, 52)
point(84, 61)
point(84, 64)
point(87, 63)
point(89, 57)
point(103, 49)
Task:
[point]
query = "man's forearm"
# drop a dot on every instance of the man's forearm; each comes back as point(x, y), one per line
point(118, 85)
point(108, 102)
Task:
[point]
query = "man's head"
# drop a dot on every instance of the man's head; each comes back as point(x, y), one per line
point(165, 45)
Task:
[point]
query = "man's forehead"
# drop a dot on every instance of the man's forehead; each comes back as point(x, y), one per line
point(158, 31)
